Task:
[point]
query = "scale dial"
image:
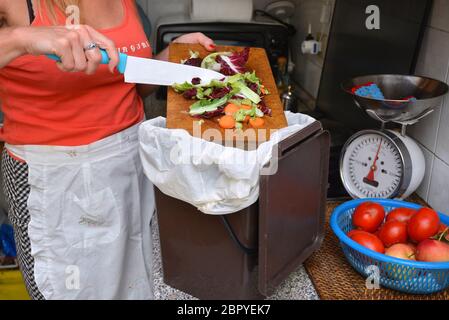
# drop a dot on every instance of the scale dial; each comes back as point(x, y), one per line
point(373, 166)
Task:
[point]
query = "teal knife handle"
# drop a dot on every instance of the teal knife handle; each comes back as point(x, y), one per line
point(121, 67)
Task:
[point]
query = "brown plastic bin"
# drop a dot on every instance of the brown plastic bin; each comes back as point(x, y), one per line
point(247, 254)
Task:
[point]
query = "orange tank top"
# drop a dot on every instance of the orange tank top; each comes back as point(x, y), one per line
point(45, 106)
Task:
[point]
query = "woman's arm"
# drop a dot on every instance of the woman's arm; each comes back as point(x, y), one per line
point(66, 43)
point(192, 38)
point(10, 46)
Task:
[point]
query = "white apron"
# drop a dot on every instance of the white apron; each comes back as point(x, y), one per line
point(90, 208)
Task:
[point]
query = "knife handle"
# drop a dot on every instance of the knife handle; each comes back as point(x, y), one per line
point(123, 58)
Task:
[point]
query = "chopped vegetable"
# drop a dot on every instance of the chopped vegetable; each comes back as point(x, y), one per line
point(203, 106)
point(211, 114)
point(194, 60)
point(196, 81)
point(191, 93)
point(227, 63)
point(247, 92)
point(238, 126)
point(264, 108)
point(241, 92)
point(231, 109)
point(219, 93)
point(227, 122)
point(257, 122)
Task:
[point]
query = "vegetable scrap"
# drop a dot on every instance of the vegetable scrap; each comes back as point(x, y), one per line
point(238, 98)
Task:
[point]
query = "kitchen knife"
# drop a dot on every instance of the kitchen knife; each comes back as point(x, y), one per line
point(155, 72)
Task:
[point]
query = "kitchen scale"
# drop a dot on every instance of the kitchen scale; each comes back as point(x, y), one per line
point(387, 163)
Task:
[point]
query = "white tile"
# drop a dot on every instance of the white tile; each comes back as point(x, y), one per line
point(426, 130)
point(440, 15)
point(442, 147)
point(308, 75)
point(439, 187)
point(433, 62)
point(434, 54)
point(423, 190)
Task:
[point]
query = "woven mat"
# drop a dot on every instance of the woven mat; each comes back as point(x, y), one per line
point(335, 279)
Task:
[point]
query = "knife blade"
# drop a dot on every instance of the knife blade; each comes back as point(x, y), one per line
point(155, 72)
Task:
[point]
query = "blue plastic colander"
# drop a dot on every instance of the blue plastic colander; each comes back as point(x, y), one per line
point(407, 276)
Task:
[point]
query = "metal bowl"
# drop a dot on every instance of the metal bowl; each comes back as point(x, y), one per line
point(428, 92)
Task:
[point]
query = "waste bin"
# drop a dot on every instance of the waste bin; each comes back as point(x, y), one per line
point(247, 254)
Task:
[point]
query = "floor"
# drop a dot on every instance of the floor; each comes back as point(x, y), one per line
point(297, 287)
point(11, 286)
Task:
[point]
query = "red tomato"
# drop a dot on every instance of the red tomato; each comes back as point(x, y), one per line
point(353, 232)
point(368, 216)
point(393, 232)
point(369, 241)
point(400, 214)
point(423, 225)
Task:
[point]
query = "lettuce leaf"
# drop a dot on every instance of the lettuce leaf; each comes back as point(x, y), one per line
point(203, 106)
point(247, 92)
point(227, 63)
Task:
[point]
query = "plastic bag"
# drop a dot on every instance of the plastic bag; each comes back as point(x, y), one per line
point(214, 178)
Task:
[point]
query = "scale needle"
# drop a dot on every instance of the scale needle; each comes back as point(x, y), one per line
point(370, 178)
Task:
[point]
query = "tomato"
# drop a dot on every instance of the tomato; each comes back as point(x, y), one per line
point(353, 232)
point(368, 216)
point(368, 240)
point(393, 232)
point(401, 214)
point(423, 225)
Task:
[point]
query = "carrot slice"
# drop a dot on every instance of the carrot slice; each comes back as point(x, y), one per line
point(230, 109)
point(257, 122)
point(227, 122)
point(246, 107)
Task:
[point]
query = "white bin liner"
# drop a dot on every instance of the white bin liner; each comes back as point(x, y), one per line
point(215, 179)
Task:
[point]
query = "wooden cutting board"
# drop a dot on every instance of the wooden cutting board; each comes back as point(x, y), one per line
point(178, 106)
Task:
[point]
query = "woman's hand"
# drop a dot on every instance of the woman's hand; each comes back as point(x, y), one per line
point(70, 45)
point(190, 38)
point(197, 38)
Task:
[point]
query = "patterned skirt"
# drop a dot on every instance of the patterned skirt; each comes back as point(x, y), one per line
point(17, 191)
